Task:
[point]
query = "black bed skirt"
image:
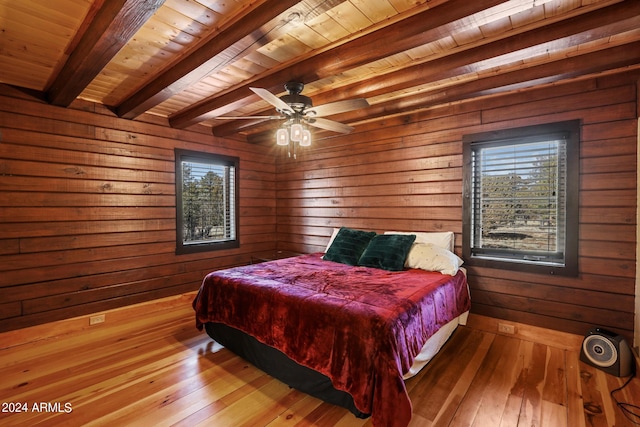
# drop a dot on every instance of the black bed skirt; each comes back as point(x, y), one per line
point(278, 365)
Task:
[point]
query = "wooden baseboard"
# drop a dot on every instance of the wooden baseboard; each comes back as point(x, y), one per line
point(557, 339)
point(76, 324)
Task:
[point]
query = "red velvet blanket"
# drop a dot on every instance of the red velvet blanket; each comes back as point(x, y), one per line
point(361, 327)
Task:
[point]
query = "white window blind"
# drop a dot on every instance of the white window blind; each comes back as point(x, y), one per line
point(519, 199)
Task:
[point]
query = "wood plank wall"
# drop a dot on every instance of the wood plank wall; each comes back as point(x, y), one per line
point(87, 210)
point(405, 173)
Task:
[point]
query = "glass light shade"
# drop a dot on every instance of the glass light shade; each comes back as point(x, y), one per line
point(282, 136)
point(296, 132)
point(306, 138)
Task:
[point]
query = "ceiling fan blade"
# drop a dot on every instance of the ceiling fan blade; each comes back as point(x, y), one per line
point(336, 107)
point(273, 100)
point(330, 125)
point(249, 117)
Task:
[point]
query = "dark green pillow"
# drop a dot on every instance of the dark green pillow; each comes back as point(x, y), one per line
point(348, 245)
point(387, 251)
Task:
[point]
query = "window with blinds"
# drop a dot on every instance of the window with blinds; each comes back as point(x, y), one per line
point(521, 198)
point(206, 202)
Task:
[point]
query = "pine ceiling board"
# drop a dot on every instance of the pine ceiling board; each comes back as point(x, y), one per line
point(309, 36)
point(442, 46)
point(187, 24)
point(376, 11)
point(497, 27)
point(350, 17)
point(469, 36)
point(500, 11)
point(22, 45)
point(195, 11)
point(404, 5)
point(328, 27)
point(527, 17)
point(196, 92)
point(261, 60)
point(229, 78)
point(238, 73)
point(284, 49)
point(225, 7)
point(39, 29)
point(66, 14)
point(399, 60)
point(418, 53)
point(249, 66)
point(24, 40)
point(554, 8)
point(24, 73)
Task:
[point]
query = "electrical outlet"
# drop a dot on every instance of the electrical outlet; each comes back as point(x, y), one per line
point(94, 320)
point(506, 329)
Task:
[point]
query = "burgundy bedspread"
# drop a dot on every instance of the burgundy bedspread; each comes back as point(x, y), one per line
point(361, 327)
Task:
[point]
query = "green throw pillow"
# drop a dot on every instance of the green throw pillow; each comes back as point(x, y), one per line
point(348, 245)
point(387, 251)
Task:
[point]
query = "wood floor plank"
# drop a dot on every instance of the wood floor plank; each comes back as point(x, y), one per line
point(614, 414)
point(534, 372)
point(459, 391)
point(575, 403)
point(431, 393)
point(157, 369)
point(499, 386)
point(296, 413)
point(513, 406)
point(595, 415)
point(480, 387)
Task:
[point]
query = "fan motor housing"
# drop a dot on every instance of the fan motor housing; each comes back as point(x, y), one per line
point(607, 351)
point(297, 101)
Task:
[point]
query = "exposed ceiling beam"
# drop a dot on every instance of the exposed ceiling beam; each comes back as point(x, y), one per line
point(111, 28)
point(595, 25)
point(212, 56)
point(403, 35)
point(617, 58)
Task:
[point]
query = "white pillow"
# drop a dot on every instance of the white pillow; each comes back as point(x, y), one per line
point(333, 236)
point(443, 239)
point(430, 257)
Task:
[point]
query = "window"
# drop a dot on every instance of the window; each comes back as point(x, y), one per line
point(206, 202)
point(521, 199)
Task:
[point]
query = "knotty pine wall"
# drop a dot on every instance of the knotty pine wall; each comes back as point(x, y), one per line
point(87, 210)
point(405, 173)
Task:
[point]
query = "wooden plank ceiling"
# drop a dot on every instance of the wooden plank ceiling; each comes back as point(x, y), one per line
point(192, 61)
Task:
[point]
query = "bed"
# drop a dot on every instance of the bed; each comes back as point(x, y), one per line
point(348, 325)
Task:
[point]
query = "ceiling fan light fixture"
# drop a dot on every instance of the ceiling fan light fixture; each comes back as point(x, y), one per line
point(296, 132)
point(306, 138)
point(282, 136)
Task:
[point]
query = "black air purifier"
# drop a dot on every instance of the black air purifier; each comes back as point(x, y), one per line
point(607, 351)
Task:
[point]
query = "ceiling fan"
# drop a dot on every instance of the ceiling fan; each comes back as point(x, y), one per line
point(298, 109)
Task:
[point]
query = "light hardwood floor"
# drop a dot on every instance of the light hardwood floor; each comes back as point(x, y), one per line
point(153, 368)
